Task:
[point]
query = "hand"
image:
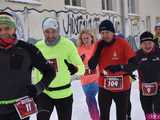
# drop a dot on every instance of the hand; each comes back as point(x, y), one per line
point(72, 68)
point(32, 91)
point(114, 68)
point(83, 57)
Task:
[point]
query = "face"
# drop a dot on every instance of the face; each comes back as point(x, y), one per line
point(147, 46)
point(6, 30)
point(107, 36)
point(86, 39)
point(157, 31)
point(50, 34)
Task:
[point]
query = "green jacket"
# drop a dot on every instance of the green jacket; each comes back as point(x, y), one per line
point(65, 49)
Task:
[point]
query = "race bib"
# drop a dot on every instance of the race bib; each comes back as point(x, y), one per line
point(25, 107)
point(53, 63)
point(149, 89)
point(89, 72)
point(113, 82)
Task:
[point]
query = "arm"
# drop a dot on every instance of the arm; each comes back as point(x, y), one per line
point(94, 60)
point(129, 68)
point(39, 62)
point(75, 59)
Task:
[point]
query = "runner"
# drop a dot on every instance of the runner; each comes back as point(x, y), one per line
point(86, 45)
point(17, 58)
point(63, 56)
point(157, 34)
point(112, 50)
point(147, 61)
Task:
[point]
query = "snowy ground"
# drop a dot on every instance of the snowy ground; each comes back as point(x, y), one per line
point(80, 111)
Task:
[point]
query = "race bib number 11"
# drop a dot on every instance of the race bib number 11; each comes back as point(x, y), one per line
point(25, 107)
point(113, 82)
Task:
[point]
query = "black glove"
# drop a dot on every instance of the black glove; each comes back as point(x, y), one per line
point(32, 91)
point(114, 68)
point(72, 68)
point(83, 57)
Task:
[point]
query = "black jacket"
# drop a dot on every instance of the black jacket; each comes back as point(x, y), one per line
point(16, 66)
point(148, 65)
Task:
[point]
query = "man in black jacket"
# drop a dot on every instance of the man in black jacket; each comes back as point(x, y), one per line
point(17, 59)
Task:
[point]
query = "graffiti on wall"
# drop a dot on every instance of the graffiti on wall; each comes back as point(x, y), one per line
point(70, 22)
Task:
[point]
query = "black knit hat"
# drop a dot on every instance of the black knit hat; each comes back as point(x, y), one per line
point(146, 36)
point(106, 25)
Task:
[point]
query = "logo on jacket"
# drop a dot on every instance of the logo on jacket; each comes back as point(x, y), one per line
point(115, 56)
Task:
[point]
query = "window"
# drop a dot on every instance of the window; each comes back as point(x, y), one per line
point(110, 5)
point(132, 6)
point(78, 3)
point(37, 2)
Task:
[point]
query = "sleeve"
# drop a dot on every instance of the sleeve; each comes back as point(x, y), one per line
point(40, 63)
point(132, 65)
point(75, 59)
point(93, 62)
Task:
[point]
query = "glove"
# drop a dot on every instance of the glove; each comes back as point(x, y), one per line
point(72, 68)
point(114, 68)
point(32, 91)
point(83, 57)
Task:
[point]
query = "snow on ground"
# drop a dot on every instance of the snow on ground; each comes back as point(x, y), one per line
point(80, 111)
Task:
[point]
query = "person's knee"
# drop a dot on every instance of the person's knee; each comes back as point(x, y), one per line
point(44, 115)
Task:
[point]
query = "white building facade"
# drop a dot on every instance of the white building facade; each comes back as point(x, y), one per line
point(130, 17)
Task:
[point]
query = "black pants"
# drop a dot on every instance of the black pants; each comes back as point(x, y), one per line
point(150, 104)
point(47, 104)
point(105, 98)
point(129, 106)
point(11, 116)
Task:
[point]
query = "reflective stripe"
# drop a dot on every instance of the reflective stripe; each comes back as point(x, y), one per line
point(5, 102)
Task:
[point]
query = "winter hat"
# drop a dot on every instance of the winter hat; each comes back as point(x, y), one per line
point(50, 23)
point(7, 19)
point(146, 36)
point(106, 25)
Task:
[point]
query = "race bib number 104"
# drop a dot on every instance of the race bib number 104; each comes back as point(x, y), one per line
point(113, 82)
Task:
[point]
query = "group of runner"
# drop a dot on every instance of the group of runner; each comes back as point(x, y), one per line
point(105, 68)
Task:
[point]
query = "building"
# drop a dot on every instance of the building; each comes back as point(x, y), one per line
point(130, 17)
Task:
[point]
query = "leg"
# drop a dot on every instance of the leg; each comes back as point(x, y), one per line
point(105, 101)
point(90, 92)
point(147, 105)
point(64, 108)
point(45, 107)
point(156, 102)
point(11, 116)
point(129, 106)
point(121, 101)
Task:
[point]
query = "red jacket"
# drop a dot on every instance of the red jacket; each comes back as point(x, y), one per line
point(118, 53)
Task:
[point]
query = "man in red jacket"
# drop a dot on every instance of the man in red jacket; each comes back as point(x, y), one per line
point(112, 50)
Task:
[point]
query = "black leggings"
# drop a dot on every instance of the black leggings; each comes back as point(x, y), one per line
point(47, 104)
point(150, 104)
point(105, 100)
point(129, 106)
point(11, 116)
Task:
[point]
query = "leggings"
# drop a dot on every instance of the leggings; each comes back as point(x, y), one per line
point(90, 91)
point(150, 105)
point(47, 104)
point(105, 98)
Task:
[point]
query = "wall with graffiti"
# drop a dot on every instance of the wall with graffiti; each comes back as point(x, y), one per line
point(29, 22)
